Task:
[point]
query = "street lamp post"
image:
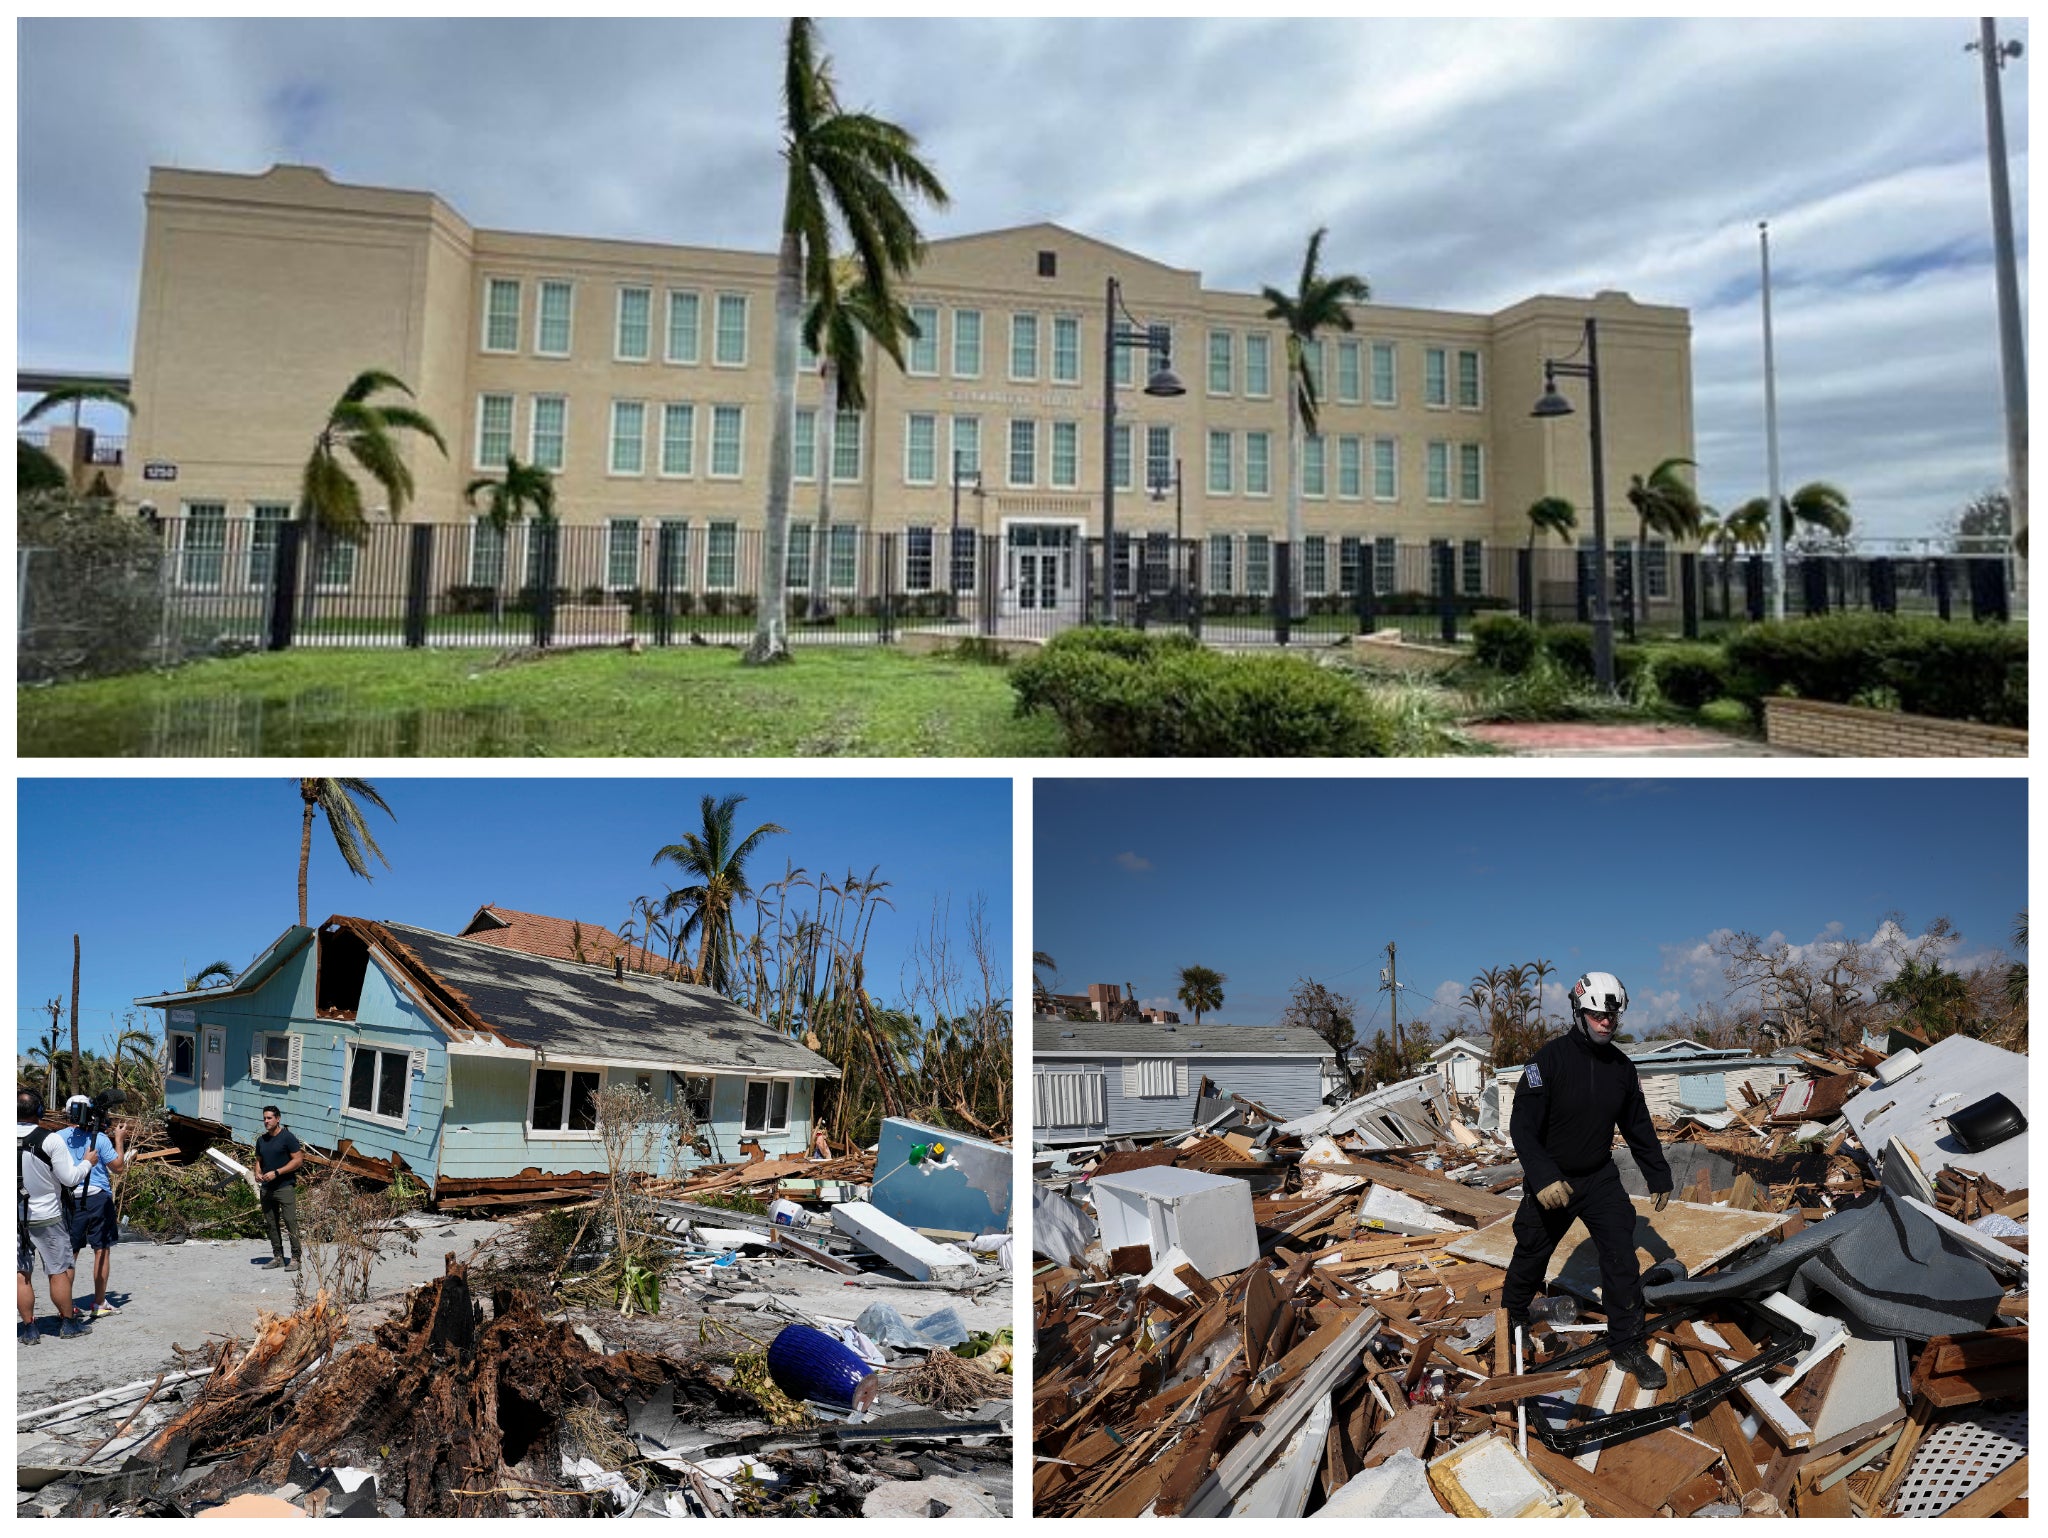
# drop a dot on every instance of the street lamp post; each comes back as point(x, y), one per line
point(1163, 383)
point(1179, 505)
point(972, 478)
point(1555, 405)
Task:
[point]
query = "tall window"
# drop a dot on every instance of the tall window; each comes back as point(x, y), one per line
point(1222, 355)
point(1350, 468)
point(684, 320)
point(966, 456)
point(803, 448)
point(678, 438)
point(486, 554)
point(1386, 471)
point(493, 431)
point(501, 315)
point(629, 437)
point(546, 441)
point(1436, 390)
point(846, 447)
point(1219, 464)
point(1438, 462)
point(923, 356)
point(1314, 482)
point(729, 346)
point(1385, 564)
point(1347, 563)
point(1066, 455)
point(1471, 473)
point(727, 428)
point(921, 449)
point(378, 1083)
point(1120, 456)
point(636, 324)
point(1657, 568)
point(1221, 579)
point(265, 519)
point(967, 344)
point(622, 554)
point(1258, 464)
point(1383, 391)
point(963, 560)
point(1023, 451)
point(1315, 565)
point(1122, 369)
point(767, 1105)
point(1468, 380)
point(674, 553)
point(1473, 560)
point(1023, 346)
point(842, 567)
point(1348, 382)
point(1258, 565)
point(721, 556)
point(551, 319)
point(917, 560)
point(797, 563)
point(1158, 456)
point(1258, 364)
point(1066, 349)
point(206, 543)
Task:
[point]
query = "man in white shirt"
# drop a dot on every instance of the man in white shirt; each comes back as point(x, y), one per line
point(45, 1169)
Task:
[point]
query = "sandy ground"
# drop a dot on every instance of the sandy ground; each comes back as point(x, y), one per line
point(184, 1293)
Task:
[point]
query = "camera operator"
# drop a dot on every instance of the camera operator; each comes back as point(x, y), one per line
point(44, 1168)
point(94, 1225)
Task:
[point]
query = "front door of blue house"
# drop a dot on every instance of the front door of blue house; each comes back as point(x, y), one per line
point(212, 1073)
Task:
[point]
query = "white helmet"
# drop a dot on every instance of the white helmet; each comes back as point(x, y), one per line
point(1600, 992)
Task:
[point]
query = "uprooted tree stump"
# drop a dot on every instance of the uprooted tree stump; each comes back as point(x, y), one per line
point(462, 1416)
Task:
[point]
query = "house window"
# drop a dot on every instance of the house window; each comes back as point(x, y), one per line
point(1258, 464)
point(696, 1095)
point(967, 344)
point(767, 1105)
point(551, 319)
point(684, 317)
point(1347, 373)
point(545, 442)
point(1023, 451)
point(486, 554)
point(1468, 380)
point(1258, 365)
point(276, 1060)
point(1473, 559)
point(1657, 568)
point(1438, 550)
point(1219, 464)
point(564, 1100)
point(629, 437)
point(206, 542)
point(1220, 577)
point(1347, 563)
point(1120, 456)
point(678, 438)
point(1383, 392)
point(846, 446)
point(1122, 370)
point(729, 345)
point(1471, 473)
point(923, 356)
point(921, 449)
point(1386, 471)
point(501, 315)
point(1222, 355)
point(966, 458)
point(1350, 468)
point(842, 559)
point(1023, 346)
point(797, 568)
point(265, 518)
point(721, 557)
point(336, 569)
point(622, 554)
point(1066, 455)
point(183, 1052)
point(803, 448)
point(636, 325)
point(963, 560)
point(1066, 350)
point(1439, 472)
point(1313, 481)
point(917, 560)
point(1385, 564)
point(1074, 1099)
point(379, 1083)
point(1435, 383)
point(1159, 456)
point(1258, 565)
point(493, 431)
point(1315, 565)
point(728, 424)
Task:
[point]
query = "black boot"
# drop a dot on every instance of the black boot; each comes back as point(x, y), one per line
point(1632, 1359)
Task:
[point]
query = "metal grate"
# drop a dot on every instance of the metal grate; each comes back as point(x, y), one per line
point(1958, 1458)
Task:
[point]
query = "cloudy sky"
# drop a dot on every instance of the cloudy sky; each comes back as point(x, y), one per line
point(1461, 164)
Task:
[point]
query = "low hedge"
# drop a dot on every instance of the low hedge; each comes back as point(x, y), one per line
point(1958, 672)
point(1691, 675)
point(1127, 694)
point(1507, 643)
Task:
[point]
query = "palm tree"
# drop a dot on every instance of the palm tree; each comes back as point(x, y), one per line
point(849, 169)
point(214, 974)
point(1666, 503)
point(352, 839)
point(48, 1051)
point(506, 501)
point(1818, 505)
point(1041, 991)
point(1548, 515)
point(329, 498)
point(1319, 301)
point(843, 313)
point(1201, 988)
point(35, 467)
point(716, 862)
point(1539, 969)
point(77, 395)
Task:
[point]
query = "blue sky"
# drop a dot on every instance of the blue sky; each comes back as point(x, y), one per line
point(1269, 881)
point(161, 876)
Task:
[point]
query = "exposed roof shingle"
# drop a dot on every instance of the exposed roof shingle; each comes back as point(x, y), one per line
point(1139, 1038)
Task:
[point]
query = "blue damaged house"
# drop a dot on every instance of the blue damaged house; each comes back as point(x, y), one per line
point(468, 1064)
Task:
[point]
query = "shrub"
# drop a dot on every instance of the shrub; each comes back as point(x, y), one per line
point(91, 591)
point(1690, 676)
point(1504, 642)
point(1958, 672)
point(1570, 647)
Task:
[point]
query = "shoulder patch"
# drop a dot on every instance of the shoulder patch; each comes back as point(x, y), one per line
point(1534, 1077)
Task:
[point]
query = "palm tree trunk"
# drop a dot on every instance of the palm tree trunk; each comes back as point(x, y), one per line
point(305, 853)
point(1639, 576)
point(1294, 524)
point(828, 452)
point(771, 612)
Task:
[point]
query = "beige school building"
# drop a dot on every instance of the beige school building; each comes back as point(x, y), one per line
point(640, 375)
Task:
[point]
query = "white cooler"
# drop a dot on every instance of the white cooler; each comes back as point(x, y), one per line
point(1207, 1217)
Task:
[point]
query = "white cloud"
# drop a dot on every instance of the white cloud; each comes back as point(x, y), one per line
point(1133, 862)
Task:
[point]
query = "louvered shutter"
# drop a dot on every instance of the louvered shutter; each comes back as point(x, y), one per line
point(1133, 1078)
point(419, 1060)
point(1180, 1077)
point(256, 1066)
point(292, 1073)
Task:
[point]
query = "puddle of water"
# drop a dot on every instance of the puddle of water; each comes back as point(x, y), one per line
point(319, 723)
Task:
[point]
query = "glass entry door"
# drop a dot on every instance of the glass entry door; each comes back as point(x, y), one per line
point(1042, 577)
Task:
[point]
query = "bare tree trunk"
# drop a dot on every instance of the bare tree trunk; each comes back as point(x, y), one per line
point(1294, 523)
point(771, 611)
point(305, 850)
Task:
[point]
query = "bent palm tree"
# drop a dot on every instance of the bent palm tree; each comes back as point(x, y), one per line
point(366, 431)
point(845, 168)
point(78, 395)
point(1201, 988)
point(35, 468)
point(1548, 515)
point(716, 862)
point(1319, 301)
point(1818, 505)
point(215, 974)
point(506, 500)
point(352, 838)
point(1666, 504)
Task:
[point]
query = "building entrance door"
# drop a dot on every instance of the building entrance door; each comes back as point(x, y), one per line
point(212, 1074)
point(1041, 579)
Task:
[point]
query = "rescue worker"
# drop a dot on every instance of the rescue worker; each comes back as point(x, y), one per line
point(1576, 1092)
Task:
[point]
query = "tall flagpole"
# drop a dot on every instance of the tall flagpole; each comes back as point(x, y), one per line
point(1771, 436)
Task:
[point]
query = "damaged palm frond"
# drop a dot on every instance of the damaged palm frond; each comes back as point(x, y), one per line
point(947, 1382)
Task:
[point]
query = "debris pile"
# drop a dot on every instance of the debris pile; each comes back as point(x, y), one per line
point(1303, 1318)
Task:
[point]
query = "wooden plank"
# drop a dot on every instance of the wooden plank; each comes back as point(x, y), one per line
point(1975, 1387)
point(1989, 1498)
point(1650, 1469)
point(1986, 1350)
point(1410, 1431)
point(1598, 1496)
point(1700, 1492)
point(1466, 1201)
point(1502, 1366)
point(1526, 1386)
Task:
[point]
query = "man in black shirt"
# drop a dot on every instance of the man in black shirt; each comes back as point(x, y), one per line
point(279, 1155)
point(1577, 1091)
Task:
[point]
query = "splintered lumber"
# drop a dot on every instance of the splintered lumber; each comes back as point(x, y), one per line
point(1600, 1497)
point(1466, 1201)
point(1993, 1496)
point(1410, 1431)
point(1695, 1236)
point(1510, 1389)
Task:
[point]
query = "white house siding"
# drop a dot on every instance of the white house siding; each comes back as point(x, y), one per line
point(1660, 1085)
point(1286, 1086)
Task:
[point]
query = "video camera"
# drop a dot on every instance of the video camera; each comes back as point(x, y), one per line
point(96, 1117)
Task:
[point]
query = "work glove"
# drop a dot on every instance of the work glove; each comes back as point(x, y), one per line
point(1554, 1195)
point(1660, 1201)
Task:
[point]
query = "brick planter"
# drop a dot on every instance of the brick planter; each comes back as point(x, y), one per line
point(1849, 731)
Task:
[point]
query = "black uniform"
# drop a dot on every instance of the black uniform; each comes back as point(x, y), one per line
point(1573, 1097)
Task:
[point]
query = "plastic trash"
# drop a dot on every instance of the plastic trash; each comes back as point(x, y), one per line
point(941, 1328)
point(783, 1210)
point(809, 1364)
point(883, 1325)
point(1558, 1308)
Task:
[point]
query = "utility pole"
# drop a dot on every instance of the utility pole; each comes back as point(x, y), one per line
point(56, 1009)
point(2011, 345)
point(1771, 436)
point(77, 1084)
point(1393, 987)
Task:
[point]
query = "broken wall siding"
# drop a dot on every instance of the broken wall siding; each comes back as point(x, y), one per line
point(1285, 1086)
point(1662, 1084)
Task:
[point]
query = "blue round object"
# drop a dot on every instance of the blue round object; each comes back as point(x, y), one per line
point(809, 1364)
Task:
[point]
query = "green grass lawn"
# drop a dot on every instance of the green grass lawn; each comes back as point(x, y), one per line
point(690, 702)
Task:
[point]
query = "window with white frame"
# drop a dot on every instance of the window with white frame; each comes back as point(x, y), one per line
point(678, 438)
point(1159, 351)
point(1350, 468)
point(1314, 481)
point(501, 315)
point(1222, 358)
point(1384, 390)
point(965, 457)
point(1066, 349)
point(1066, 455)
point(1023, 451)
point(1258, 464)
point(551, 316)
point(685, 319)
point(265, 519)
point(917, 559)
point(379, 1083)
point(204, 550)
point(803, 447)
point(1436, 388)
point(1023, 347)
point(547, 433)
point(846, 447)
point(1386, 471)
point(1158, 456)
point(622, 554)
point(1074, 1098)
point(1657, 568)
point(486, 553)
point(1348, 553)
point(721, 556)
point(1120, 456)
point(275, 1059)
point(636, 325)
point(1386, 564)
point(493, 431)
point(1158, 561)
point(181, 1055)
point(920, 449)
point(1437, 462)
point(1472, 557)
point(922, 356)
point(728, 425)
point(1258, 565)
point(1312, 365)
point(1315, 565)
point(336, 570)
point(797, 567)
point(1220, 463)
point(963, 560)
point(1471, 472)
point(967, 344)
point(1258, 365)
point(629, 437)
point(673, 552)
point(842, 559)
point(1468, 379)
point(564, 1101)
point(1348, 381)
point(1154, 1078)
point(1221, 578)
point(729, 336)
point(1123, 367)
